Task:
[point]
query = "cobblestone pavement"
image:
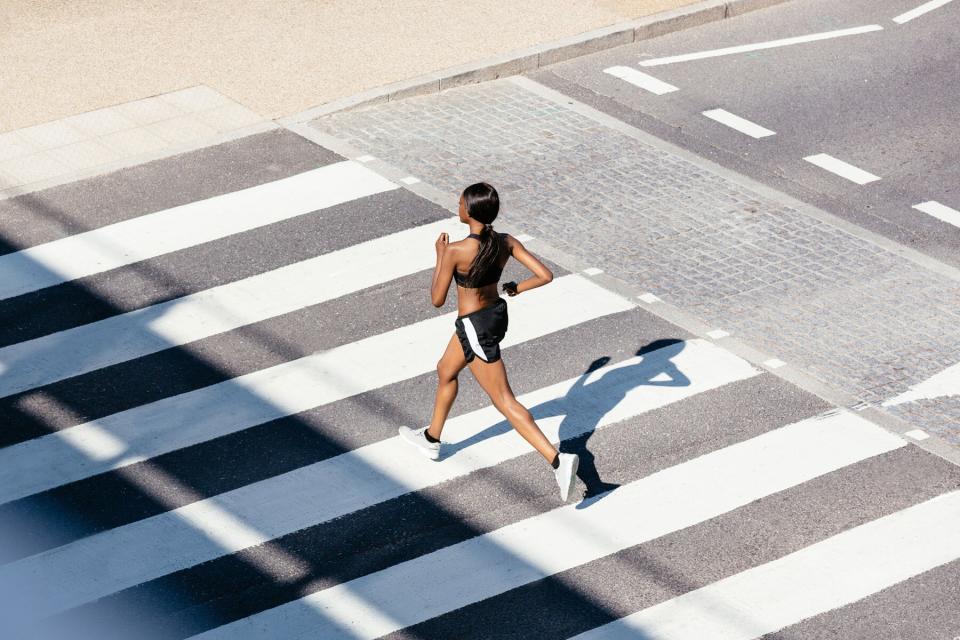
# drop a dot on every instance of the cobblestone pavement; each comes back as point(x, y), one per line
point(851, 313)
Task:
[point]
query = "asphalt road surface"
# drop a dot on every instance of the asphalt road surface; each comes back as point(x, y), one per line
point(203, 364)
point(880, 95)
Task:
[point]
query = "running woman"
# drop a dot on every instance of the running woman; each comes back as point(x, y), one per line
point(476, 263)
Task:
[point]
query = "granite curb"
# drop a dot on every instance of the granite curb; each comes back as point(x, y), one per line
point(531, 58)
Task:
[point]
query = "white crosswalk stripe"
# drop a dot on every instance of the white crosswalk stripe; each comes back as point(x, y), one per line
point(375, 473)
point(137, 333)
point(280, 552)
point(536, 547)
point(180, 421)
point(147, 236)
point(837, 571)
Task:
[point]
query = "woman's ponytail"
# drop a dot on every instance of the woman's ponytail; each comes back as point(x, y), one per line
point(487, 255)
point(483, 204)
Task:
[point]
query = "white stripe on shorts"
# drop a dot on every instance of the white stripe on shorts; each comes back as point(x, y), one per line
point(472, 339)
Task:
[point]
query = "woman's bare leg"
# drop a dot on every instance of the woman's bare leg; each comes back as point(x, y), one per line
point(448, 368)
point(492, 376)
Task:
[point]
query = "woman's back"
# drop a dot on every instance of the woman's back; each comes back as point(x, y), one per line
point(477, 283)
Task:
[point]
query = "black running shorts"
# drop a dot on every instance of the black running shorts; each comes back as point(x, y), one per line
point(480, 332)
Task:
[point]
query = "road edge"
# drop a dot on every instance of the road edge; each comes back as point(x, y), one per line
point(528, 59)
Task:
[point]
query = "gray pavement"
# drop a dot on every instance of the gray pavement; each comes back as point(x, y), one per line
point(726, 545)
point(218, 534)
point(883, 101)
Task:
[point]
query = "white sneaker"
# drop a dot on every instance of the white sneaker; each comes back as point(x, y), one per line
point(417, 438)
point(566, 473)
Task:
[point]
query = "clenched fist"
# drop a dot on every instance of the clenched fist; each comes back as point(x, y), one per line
point(441, 243)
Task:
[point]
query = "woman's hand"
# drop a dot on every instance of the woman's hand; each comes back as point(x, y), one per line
point(441, 244)
point(510, 288)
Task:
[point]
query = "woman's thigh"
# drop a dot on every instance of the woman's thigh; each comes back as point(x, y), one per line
point(452, 361)
point(492, 377)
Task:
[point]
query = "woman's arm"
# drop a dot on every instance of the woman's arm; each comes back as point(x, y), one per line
point(541, 274)
point(442, 272)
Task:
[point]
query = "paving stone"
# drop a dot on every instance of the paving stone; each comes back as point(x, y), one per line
point(850, 312)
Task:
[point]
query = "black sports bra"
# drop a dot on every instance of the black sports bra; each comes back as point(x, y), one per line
point(492, 275)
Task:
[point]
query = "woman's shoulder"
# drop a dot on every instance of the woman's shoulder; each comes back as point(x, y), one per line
point(458, 245)
point(458, 250)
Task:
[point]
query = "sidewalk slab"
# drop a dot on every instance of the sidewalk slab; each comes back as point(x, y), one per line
point(282, 59)
point(689, 14)
point(106, 139)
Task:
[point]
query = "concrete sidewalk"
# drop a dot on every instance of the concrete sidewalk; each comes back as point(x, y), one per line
point(276, 58)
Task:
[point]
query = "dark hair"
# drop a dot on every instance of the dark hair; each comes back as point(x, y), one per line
point(483, 204)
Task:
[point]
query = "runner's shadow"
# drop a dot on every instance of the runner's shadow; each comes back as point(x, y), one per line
point(588, 401)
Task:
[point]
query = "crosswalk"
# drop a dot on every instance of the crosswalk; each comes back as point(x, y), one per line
point(223, 463)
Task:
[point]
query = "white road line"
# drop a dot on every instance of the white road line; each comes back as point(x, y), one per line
point(641, 79)
point(917, 434)
point(760, 45)
point(131, 335)
point(678, 497)
point(185, 226)
point(841, 168)
point(233, 405)
point(374, 473)
point(919, 11)
point(940, 385)
point(939, 211)
point(740, 124)
point(822, 577)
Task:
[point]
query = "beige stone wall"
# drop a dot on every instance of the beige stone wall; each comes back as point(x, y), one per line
point(277, 57)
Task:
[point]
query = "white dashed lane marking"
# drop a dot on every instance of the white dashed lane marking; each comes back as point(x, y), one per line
point(939, 211)
point(771, 44)
point(740, 124)
point(841, 168)
point(641, 79)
